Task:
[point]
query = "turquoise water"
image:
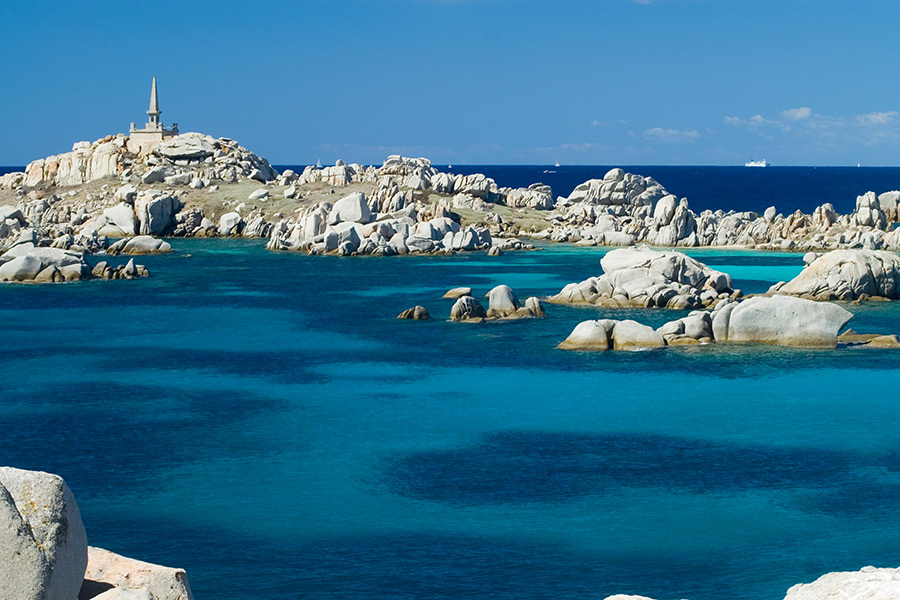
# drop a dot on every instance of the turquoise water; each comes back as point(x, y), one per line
point(264, 421)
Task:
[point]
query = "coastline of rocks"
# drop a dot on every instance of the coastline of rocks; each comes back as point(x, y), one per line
point(194, 185)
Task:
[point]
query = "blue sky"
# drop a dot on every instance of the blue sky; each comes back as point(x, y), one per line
point(465, 81)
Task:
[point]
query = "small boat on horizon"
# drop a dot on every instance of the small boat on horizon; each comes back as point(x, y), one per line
point(557, 164)
point(757, 163)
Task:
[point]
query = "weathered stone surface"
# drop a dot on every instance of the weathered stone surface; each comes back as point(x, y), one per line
point(187, 146)
point(631, 335)
point(417, 312)
point(785, 321)
point(868, 583)
point(43, 545)
point(229, 223)
point(590, 335)
point(21, 268)
point(467, 309)
point(502, 300)
point(458, 292)
point(141, 244)
point(847, 275)
point(156, 212)
point(163, 583)
point(643, 277)
point(352, 208)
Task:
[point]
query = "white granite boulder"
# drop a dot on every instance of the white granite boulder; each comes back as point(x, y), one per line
point(127, 575)
point(847, 275)
point(29, 265)
point(187, 146)
point(141, 244)
point(43, 545)
point(351, 208)
point(782, 320)
point(230, 223)
point(590, 335)
point(502, 301)
point(631, 335)
point(467, 309)
point(869, 583)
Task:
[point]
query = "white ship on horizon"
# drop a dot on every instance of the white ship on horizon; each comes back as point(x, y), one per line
point(757, 163)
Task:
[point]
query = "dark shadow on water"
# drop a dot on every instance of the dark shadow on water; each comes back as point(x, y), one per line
point(440, 566)
point(104, 437)
point(525, 467)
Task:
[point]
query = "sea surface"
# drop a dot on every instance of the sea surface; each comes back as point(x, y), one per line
point(264, 421)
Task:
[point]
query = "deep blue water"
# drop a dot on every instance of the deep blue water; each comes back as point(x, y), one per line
point(262, 420)
point(727, 188)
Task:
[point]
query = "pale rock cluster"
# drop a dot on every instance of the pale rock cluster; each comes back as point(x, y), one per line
point(642, 277)
point(780, 320)
point(503, 303)
point(25, 261)
point(354, 225)
point(44, 554)
point(623, 208)
point(846, 275)
point(187, 159)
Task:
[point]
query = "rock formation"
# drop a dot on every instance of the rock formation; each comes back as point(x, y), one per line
point(357, 225)
point(42, 539)
point(846, 275)
point(779, 320)
point(641, 277)
point(44, 553)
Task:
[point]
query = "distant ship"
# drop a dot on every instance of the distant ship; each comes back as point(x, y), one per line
point(557, 164)
point(757, 163)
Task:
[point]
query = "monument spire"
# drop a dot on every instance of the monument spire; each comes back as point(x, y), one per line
point(154, 105)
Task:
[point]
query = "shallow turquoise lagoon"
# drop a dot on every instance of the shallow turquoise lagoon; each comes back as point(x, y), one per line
point(263, 420)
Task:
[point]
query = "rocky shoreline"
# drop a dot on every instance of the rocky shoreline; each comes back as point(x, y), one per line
point(193, 185)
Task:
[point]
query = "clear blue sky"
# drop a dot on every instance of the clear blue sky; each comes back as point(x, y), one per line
point(465, 81)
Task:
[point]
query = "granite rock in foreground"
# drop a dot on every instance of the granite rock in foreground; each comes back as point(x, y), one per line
point(868, 583)
point(44, 553)
point(43, 545)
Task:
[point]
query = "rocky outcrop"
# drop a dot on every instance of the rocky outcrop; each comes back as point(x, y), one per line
point(641, 277)
point(419, 313)
point(141, 244)
point(188, 155)
point(29, 264)
point(780, 320)
point(106, 569)
point(467, 310)
point(624, 208)
point(846, 275)
point(869, 583)
point(43, 545)
point(354, 226)
point(458, 292)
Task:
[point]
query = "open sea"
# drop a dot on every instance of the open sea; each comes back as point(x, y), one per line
point(264, 421)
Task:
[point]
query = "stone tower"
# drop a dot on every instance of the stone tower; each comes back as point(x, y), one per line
point(143, 141)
